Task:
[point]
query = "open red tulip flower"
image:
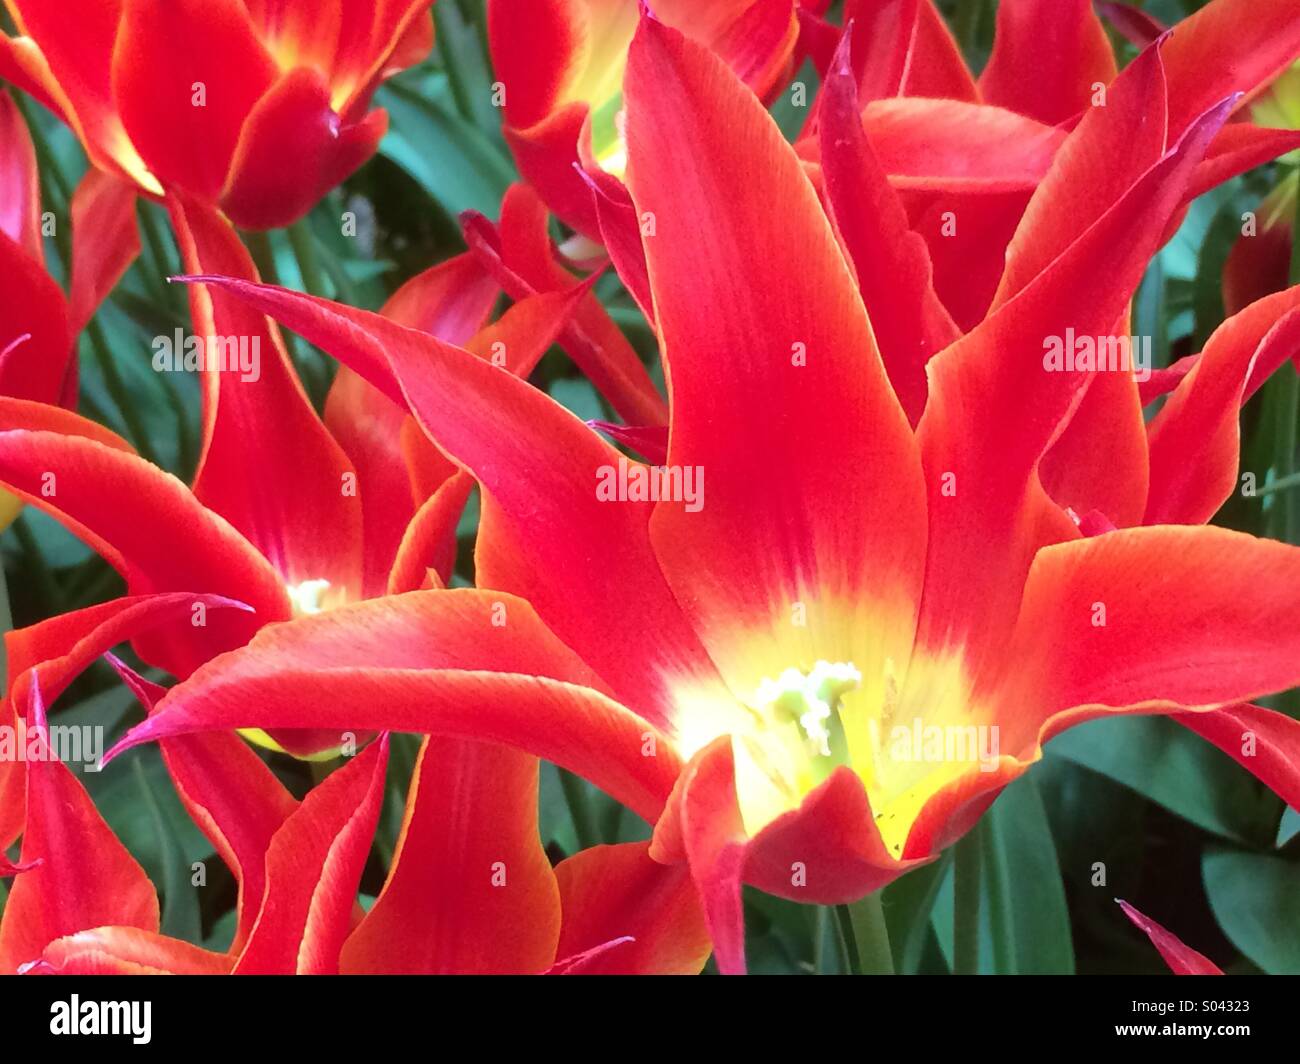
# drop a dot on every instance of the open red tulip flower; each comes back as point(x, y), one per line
point(263, 111)
point(288, 513)
point(559, 65)
point(814, 645)
point(80, 904)
point(39, 324)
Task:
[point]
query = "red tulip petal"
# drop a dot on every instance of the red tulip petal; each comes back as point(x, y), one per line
point(1137, 27)
point(368, 426)
point(1266, 743)
point(1182, 959)
point(954, 146)
point(1027, 30)
point(1225, 605)
point(715, 842)
point(105, 241)
point(1100, 461)
point(436, 663)
point(520, 256)
point(230, 793)
point(36, 339)
point(891, 262)
point(165, 541)
point(127, 951)
point(292, 150)
point(1196, 437)
point(85, 879)
point(20, 187)
point(1240, 147)
point(611, 892)
point(523, 334)
point(980, 459)
point(297, 511)
point(470, 890)
point(451, 300)
point(1228, 46)
point(649, 441)
point(207, 91)
point(428, 546)
point(74, 69)
point(757, 45)
point(768, 357)
point(1259, 265)
point(56, 651)
point(313, 869)
point(935, 64)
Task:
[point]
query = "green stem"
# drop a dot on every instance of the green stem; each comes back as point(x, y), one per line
point(966, 905)
point(866, 936)
point(1292, 480)
point(575, 796)
point(303, 242)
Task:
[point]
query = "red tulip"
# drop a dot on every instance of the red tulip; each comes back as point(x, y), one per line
point(560, 68)
point(845, 583)
point(288, 513)
point(259, 106)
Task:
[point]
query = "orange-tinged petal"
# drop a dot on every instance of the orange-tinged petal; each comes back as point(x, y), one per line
point(1081, 58)
point(520, 256)
point(163, 541)
point(161, 89)
point(230, 793)
point(432, 662)
point(20, 187)
point(1228, 46)
point(451, 300)
point(297, 511)
point(1225, 605)
point(1196, 437)
point(36, 339)
point(1265, 742)
point(74, 70)
point(470, 890)
point(428, 546)
point(1181, 958)
point(105, 241)
point(85, 878)
point(611, 892)
point(127, 951)
point(980, 458)
point(313, 869)
point(891, 262)
point(292, 149)
point(769, 354)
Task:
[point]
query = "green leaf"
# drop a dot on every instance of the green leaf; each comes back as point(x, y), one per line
point(790, 109)
point(1024, 926)
point(180, 902)
point(1029, 922)
point(1172, 767)
point(1289, 827)
point(909, 902)
point(1256, 900)
point(451, 159)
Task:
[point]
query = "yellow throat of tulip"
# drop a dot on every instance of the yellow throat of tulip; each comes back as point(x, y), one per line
point(906, 737)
